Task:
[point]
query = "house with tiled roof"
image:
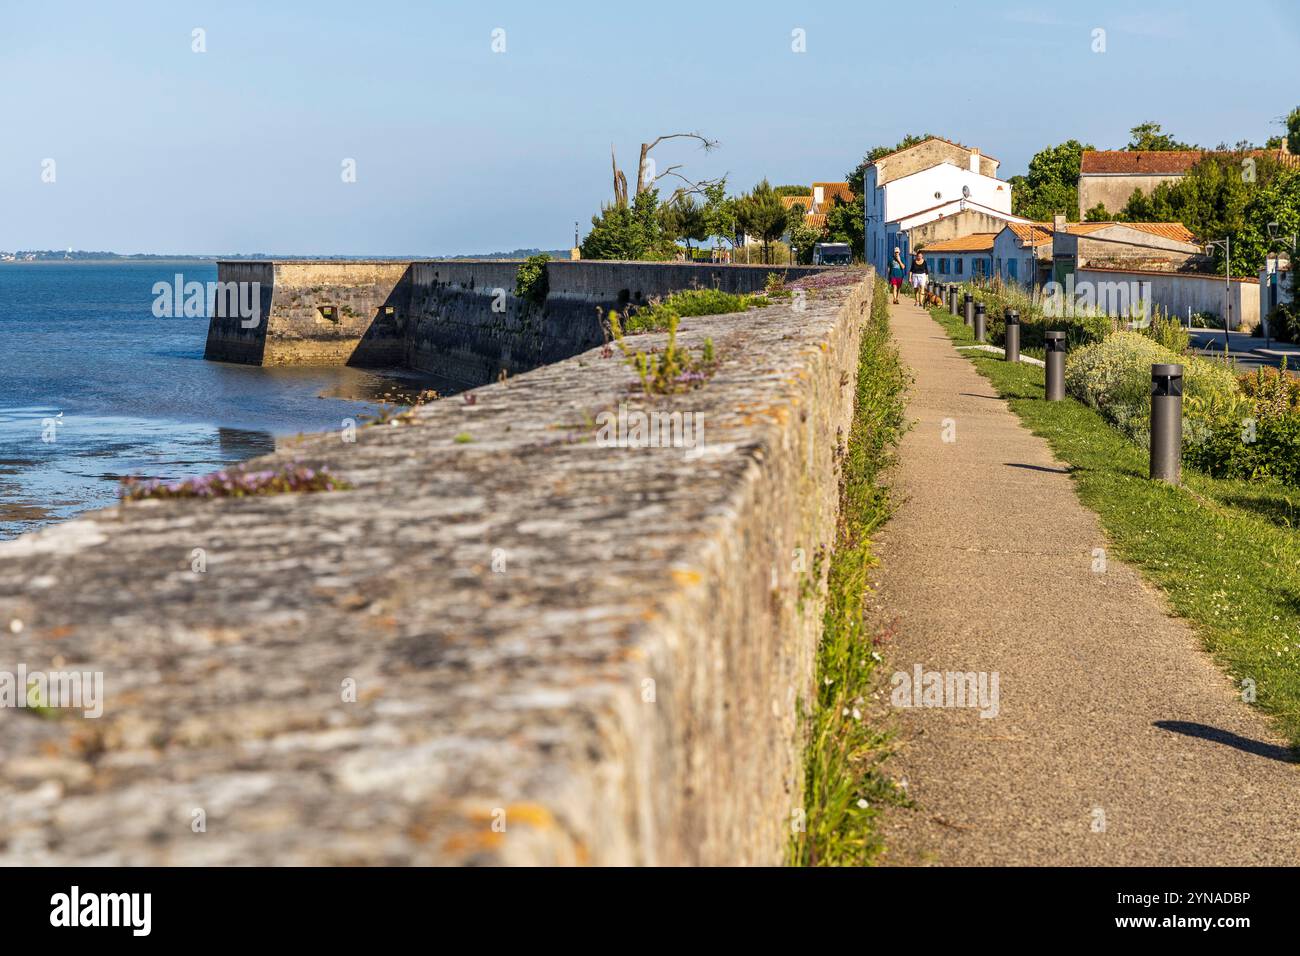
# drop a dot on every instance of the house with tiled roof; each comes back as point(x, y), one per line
point(1129, 265)
point(1022, 252)
point(962, 258)
point(1148, 246)
point(816, 204)
point(1108, 177)
point(929, 192)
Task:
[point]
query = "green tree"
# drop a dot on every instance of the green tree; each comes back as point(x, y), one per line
point(845, 223)
point(1051, 186)
point(720, 214)
point(792, 190)
point(623, 231)
point(1277, 200)
point(1151, 136)
point(763, 216)
point(1293, 130)
point(804, 236)
point(685, 219)
point(1098, 213)
point(1225, 195)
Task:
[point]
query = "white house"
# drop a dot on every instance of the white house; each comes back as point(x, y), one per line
point(1022, 253)
point(932, 191)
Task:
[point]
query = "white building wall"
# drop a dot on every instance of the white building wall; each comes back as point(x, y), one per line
point(939, 184)
point(908, 195)
point(1007, 249)
point(1176, 293)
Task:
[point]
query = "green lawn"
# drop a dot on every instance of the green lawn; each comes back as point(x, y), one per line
point(1227, 553)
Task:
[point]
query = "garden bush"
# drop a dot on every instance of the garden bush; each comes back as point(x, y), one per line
point(1114, 377)
point(655, 317)
point(530, 279)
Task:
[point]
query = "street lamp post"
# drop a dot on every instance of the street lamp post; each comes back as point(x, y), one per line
point(1226, 245)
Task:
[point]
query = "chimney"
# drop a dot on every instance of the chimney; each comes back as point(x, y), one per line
point(1058, 223)
point(974, 160)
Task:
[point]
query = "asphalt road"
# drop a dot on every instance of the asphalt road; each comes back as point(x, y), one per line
point(1241, 346)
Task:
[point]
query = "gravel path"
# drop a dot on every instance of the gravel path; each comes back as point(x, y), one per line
point(1116, 739)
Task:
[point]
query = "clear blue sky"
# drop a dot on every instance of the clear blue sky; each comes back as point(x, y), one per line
point(458, 149)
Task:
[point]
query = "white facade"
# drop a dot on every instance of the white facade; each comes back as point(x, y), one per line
point(1014, 260)
point(902, 204)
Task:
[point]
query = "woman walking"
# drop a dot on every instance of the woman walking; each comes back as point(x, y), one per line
point(896, 272)
point(920, 275)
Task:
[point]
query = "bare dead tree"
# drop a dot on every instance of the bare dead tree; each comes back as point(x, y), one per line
point(620, 181)
point(645, 177)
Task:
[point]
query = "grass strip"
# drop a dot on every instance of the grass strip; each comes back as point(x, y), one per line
point(844, 788)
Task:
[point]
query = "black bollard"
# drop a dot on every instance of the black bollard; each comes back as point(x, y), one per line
point(969, 310)
point(1166, 423)
point(979, 322)
point(1012, 336)
point(1054, 342)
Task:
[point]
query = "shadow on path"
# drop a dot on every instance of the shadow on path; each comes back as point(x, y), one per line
point(1229, 739)
point(1054, 471)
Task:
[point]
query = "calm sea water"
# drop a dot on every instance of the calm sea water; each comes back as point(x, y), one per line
point(84, 362)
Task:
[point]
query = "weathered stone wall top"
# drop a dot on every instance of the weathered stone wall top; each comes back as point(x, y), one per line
point(508, 642)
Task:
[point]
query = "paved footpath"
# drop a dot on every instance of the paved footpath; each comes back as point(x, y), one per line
point(1117, 740)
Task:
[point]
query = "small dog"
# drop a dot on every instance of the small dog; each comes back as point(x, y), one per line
point(932, 298)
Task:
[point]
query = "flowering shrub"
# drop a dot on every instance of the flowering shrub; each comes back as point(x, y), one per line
point(1273, 390)
point(1114, 377)
point(236, 483)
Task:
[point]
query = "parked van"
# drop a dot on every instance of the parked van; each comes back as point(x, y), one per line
point(832, 254)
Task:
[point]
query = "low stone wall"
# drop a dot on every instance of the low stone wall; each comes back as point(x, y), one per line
point(507, 643)
point(457, 319)
point(469, 326)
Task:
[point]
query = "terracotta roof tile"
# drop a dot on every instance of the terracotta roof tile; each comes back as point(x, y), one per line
point(833, 191)
point(1154, 162)
point(1165, 230)
point(976, 242)
point(1040, 232)
point(1139, 162)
